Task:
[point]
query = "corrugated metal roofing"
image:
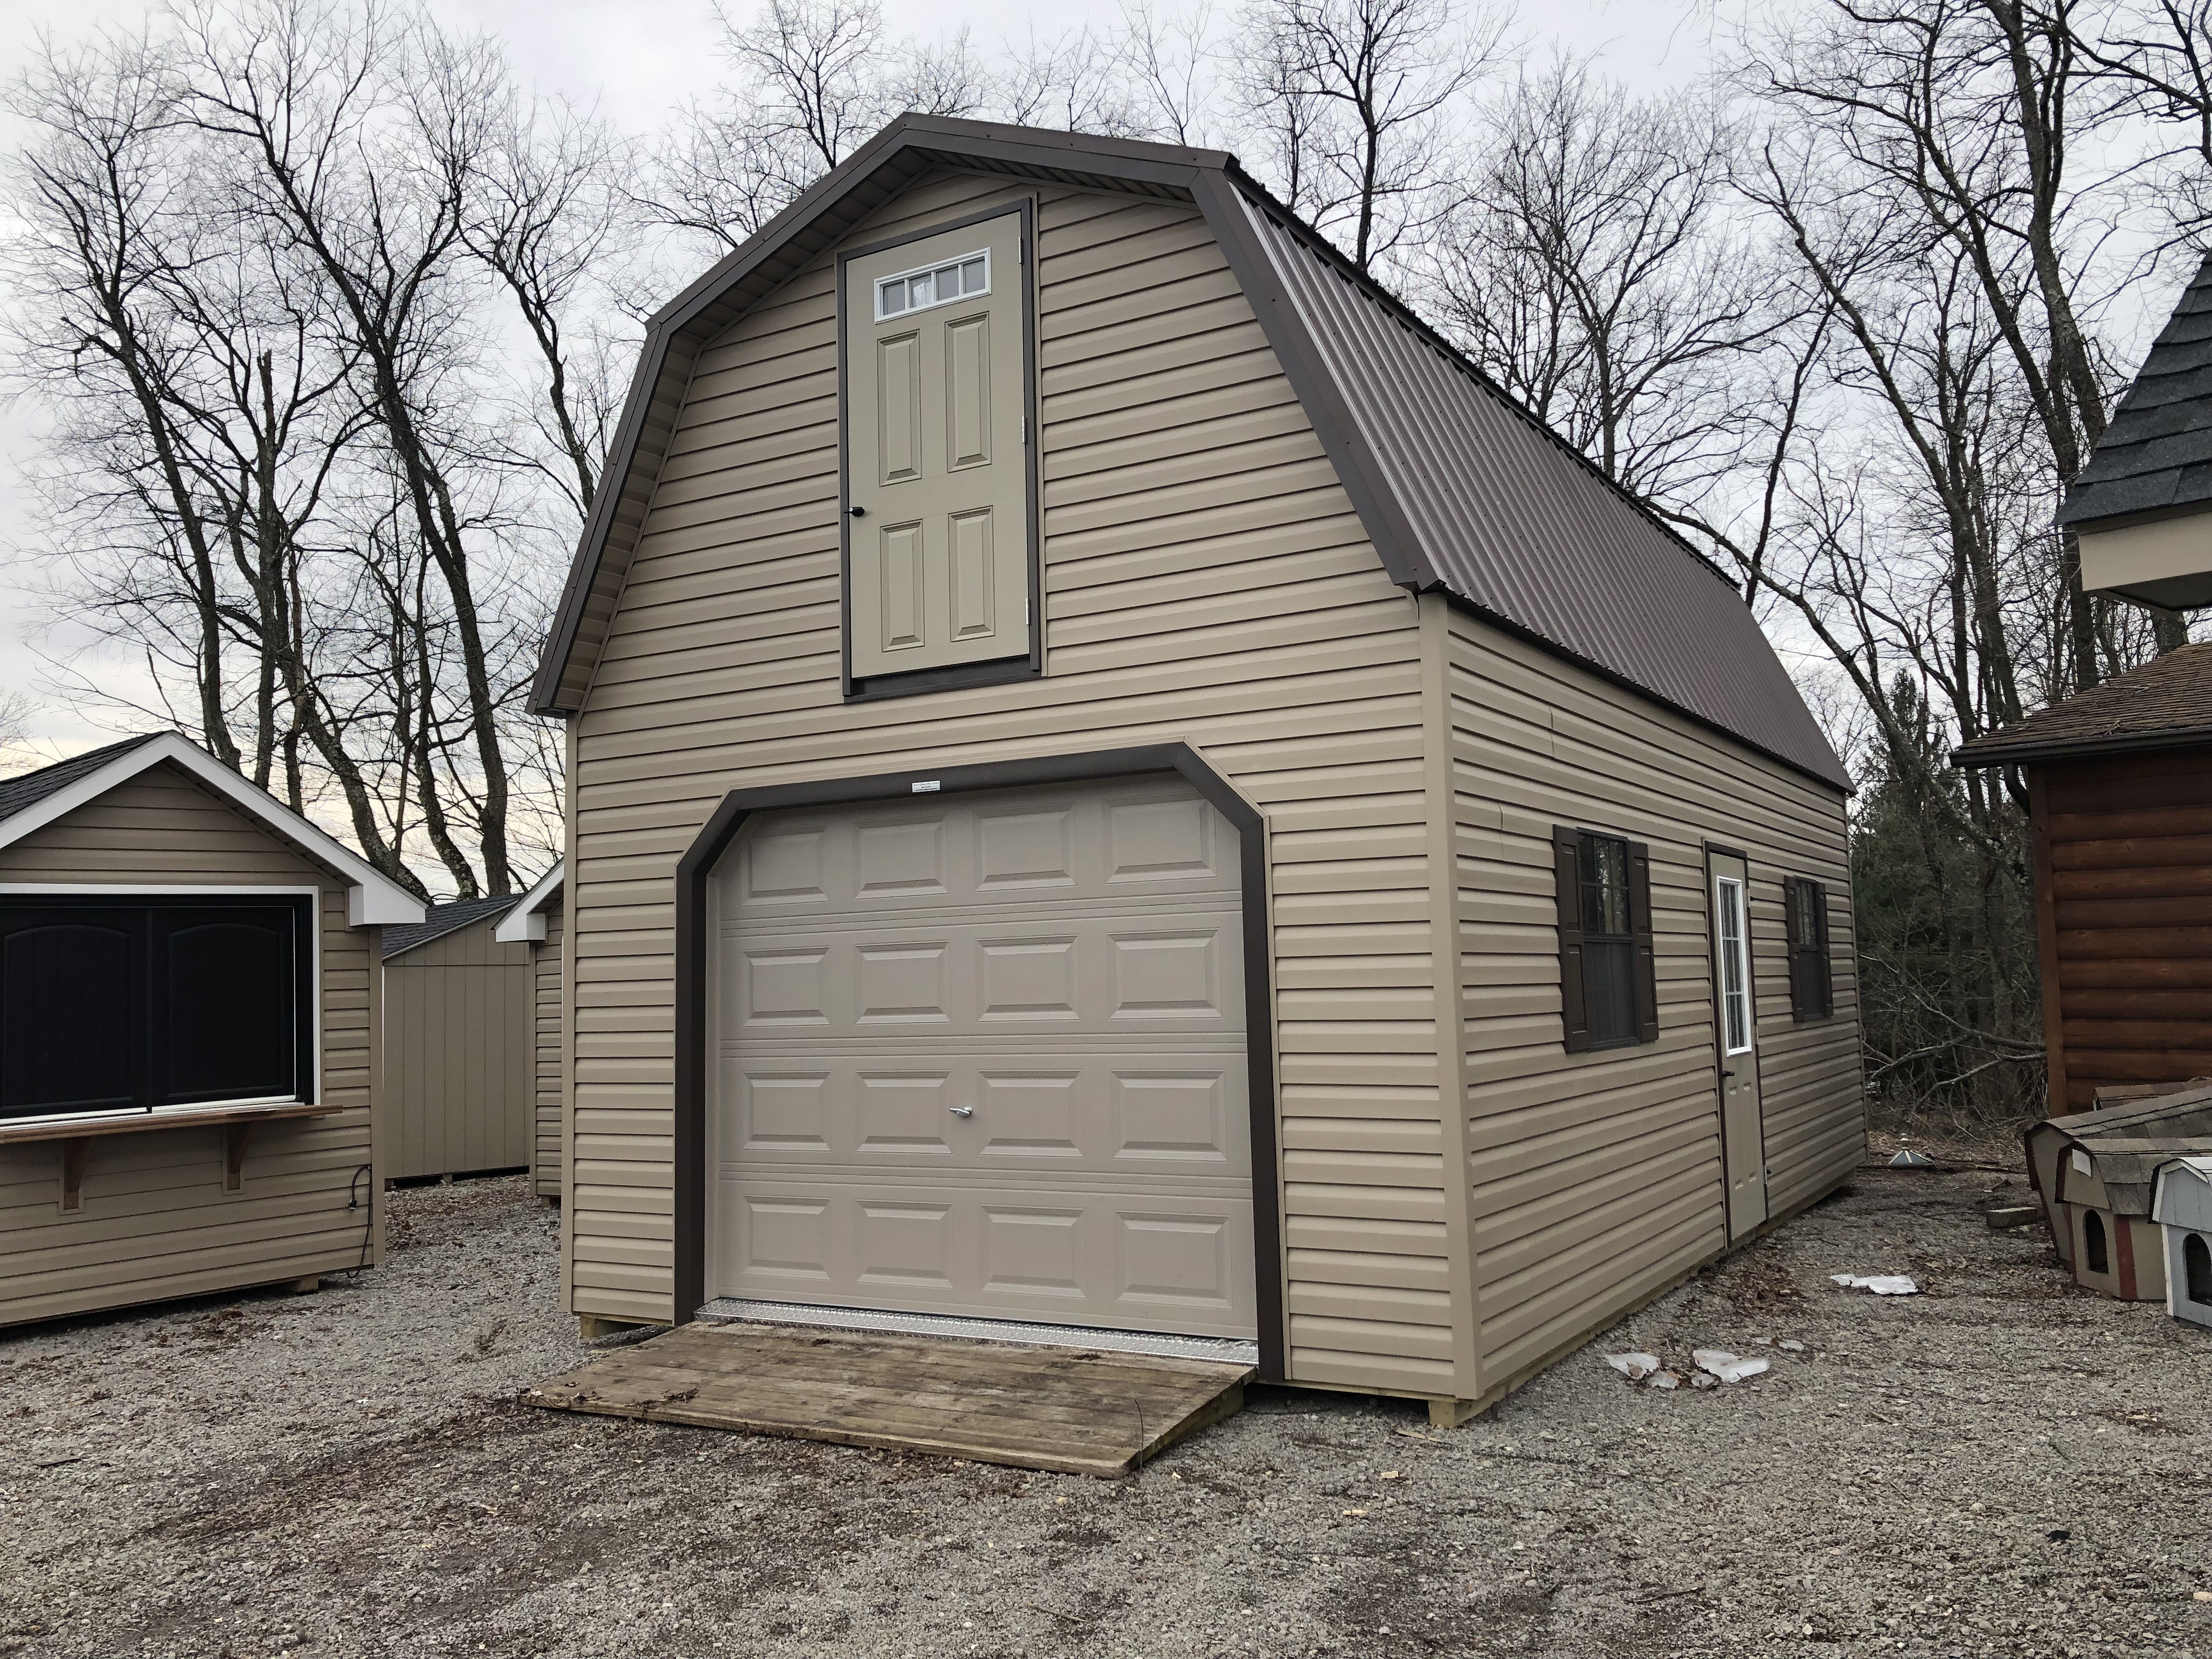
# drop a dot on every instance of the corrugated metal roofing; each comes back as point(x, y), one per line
point(2155, 458)
point(1502, 513)
point(29, 789)
point(1458, 487)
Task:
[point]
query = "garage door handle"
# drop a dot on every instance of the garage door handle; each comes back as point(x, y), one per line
point(964, 1111)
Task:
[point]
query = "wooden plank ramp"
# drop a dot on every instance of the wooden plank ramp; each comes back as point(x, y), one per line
point(1073, 1411)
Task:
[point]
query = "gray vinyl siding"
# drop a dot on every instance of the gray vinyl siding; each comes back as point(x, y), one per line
point(156, 1222)
point(1205, 580)
point(460, 1056)
point(1596, 1178)
point(546, 968)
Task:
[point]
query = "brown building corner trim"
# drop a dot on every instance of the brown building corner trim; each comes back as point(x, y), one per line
point(705, 851)
point(2047, 938)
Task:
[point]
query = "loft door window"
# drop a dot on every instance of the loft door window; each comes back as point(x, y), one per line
point(131, 1003)
point(1736, 966)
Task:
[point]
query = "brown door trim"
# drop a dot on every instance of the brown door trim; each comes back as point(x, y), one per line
point(705, 851)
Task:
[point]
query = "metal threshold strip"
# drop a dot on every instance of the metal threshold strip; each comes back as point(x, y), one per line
point(731, 1310)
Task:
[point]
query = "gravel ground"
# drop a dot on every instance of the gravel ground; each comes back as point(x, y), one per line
point(2000, 1466)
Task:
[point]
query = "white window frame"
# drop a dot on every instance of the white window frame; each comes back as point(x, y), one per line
point(884, 281)
point(196, 890)
point(1734, 953)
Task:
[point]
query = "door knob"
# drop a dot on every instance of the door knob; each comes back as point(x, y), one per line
point(964, 1111)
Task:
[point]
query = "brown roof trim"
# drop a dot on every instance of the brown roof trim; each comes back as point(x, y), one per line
point(1986, 753)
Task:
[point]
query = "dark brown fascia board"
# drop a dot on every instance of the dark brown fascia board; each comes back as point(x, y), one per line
point(2062, 749)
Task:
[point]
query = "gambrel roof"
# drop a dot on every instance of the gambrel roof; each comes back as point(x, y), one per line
point(1460, 489)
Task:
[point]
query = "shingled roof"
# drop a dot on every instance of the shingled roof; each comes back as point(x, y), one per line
point(440, 919)
point(28, 789)
point(2165, 703)
point(1460, 489)
point(2155, 459)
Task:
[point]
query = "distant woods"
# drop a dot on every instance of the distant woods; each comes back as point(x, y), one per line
point(328, 318)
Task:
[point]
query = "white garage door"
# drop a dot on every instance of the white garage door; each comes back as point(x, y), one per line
point(984, 1055)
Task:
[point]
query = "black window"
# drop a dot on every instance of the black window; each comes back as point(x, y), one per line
point(1805, 906)
point(1608, 987)
point(110, 1003)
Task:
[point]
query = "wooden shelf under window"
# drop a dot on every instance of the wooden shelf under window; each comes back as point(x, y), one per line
point(236, 1122)
point(212, 1117)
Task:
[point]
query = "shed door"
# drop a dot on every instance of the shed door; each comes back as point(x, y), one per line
point(1736, 1018)
point(984, 1055)
point(936, 484)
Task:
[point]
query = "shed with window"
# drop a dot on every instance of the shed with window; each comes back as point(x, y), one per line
point(1119, 784)
point(190, 1016)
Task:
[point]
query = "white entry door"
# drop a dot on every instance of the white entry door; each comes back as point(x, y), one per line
point(1736, 1018)
point(984, 1055)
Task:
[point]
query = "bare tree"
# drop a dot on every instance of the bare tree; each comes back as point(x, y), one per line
point(1364, 90)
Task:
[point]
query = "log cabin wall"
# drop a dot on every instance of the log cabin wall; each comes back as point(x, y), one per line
point(2123, 855)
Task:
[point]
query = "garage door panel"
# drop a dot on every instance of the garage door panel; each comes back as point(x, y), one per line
point(1139, 837)
point(1100, 1113)
point(1123, 1261)
point(1181, 969)
point(985, 1055)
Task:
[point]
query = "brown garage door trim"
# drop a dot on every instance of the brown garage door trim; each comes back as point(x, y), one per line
point(691, 1016)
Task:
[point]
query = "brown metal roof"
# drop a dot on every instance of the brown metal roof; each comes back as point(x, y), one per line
point(2165, 703)
point(1460, 489)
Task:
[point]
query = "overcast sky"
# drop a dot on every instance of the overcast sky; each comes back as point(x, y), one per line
point(637, 74)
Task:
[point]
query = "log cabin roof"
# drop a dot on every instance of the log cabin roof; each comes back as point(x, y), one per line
point(1460, 489)
point(2165, 703)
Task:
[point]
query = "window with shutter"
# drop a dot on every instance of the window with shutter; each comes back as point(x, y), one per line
point(1805, 914)
point(940, 542)
point(1608, 986)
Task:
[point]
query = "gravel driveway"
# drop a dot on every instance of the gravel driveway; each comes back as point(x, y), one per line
point(2001, 1465)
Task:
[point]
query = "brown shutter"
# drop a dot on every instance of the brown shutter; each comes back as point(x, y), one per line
point(1574, 1013)
point(1790, 901)
point(1824, 990)
point(1639, 920)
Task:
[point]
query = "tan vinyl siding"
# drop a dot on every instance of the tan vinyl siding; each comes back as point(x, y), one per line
point(155, 1221)
point(461, 1056)
point(1596, 1178)
point(545, 966)
point(1205, 580)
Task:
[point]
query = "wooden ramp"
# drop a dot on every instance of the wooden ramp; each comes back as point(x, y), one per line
point(1075, 1410)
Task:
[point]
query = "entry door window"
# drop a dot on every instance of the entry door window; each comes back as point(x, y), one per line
point(114, 1004)
point(1735, 967)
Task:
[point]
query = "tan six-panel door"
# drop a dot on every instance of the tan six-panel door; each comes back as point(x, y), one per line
point(936, 479)
point(984, 1055)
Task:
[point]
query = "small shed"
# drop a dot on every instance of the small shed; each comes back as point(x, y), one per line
point(1118, 783)
point(190, 1035)
point(461, 1043)
point(2104, 1188)
point(2181, 1204)
point(536, 921)
point(2176, 1114)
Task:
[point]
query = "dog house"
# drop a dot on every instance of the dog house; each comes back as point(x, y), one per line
point(2181, 1205)
point(2180, 1117)
point(536, 921)
point(1119, 784)
point(190, 1035)
point(2104, 1188)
